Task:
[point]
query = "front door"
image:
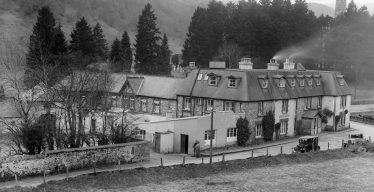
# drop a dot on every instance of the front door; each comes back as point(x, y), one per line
point(184, 144)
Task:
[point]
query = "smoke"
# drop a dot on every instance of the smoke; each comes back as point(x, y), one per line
point(304, 50)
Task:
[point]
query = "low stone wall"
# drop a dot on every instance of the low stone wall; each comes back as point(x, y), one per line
point(77, 158)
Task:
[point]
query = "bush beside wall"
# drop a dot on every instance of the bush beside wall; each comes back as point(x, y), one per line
point(55, 161)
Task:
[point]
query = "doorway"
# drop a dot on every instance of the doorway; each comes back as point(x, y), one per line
point(184, 144)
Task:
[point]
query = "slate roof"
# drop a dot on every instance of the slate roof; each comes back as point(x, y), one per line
point(155, 86)
point(249, 88)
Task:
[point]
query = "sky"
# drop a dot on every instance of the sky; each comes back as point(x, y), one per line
point(331, 3)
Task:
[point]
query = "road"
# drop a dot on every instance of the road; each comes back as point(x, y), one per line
point(334, 140)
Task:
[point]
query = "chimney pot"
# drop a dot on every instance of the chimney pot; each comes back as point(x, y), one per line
point(273, 65)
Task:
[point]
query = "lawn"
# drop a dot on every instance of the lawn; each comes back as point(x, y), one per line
point(337, 170)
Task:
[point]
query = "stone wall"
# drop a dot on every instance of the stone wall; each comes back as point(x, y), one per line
point(78, 158)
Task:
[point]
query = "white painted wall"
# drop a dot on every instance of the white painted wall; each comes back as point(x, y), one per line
point(290, 115)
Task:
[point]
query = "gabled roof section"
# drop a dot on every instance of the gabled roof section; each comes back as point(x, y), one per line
point(311, 114)
point(157, 86)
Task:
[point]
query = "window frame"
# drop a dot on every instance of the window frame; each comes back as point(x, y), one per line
point(132, 103)
point(185, 106)
point(318, 82)
point(143, 103)
point(302, 83)
point(215, 80)
point(293, 82)
point(232, 83)
point(260, 108)
point(230, 107)
point(157, 105)
point(283, 127)
point(285, 106)
point(232, 132)
point(308, 103)
point(282, 83)
point(264, 83)
point(259, 130)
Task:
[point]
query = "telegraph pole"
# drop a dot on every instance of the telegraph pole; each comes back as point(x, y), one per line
point(211, 136)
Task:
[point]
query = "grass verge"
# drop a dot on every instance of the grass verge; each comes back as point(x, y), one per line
point(142, 176)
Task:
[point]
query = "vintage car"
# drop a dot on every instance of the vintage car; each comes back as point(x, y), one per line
point(354, 138)
point(307, 143)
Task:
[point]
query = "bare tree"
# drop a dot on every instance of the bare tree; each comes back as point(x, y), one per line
point(231, 53)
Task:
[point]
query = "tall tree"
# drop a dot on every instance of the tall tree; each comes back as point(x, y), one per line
point(163, 67)
point(60, 43)
point(126, 52)
point(146, 42)
point(100, 44)
point(41, 44)
point(115, 53)
point(82, 40)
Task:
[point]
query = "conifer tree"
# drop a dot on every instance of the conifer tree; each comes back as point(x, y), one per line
point(41, 44)
point(163, 67)
point(115, 56)
point(60, 43)
point(82, 38)
point(100, 44)
point(146, 42)
point(126, 52)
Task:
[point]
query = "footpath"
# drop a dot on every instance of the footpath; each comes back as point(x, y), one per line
point(156, 160)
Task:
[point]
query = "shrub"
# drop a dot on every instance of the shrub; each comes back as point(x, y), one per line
point(324, 119)
point(268, 122)
point(337, 119)
point(243, 131)
point(327, 112)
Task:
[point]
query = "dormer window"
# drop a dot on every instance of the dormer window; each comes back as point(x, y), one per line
point(213, 80)
point(264, 83)
point(293, 82)
point(233, 83)
point(206, 77)
point(318, 82)
point(310, 82)
point(340, 80)
point(282, 83)
point(302, 83)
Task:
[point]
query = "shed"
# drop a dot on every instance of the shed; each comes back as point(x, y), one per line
point(311, 123)
point(163, 142)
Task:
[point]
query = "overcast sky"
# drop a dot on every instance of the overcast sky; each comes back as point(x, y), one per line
point(331, 3)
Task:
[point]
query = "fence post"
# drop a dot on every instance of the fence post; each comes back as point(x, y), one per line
point(15, 178)
point(67, 172)
point(202, 160)
point(328, 145)
point(252, 153)
point(342, 143)
point(44, 176)
point(281, 149)
point(370, 139)
point(223, 157)
point(184, 160)
point(162, 164)
point(267, 151)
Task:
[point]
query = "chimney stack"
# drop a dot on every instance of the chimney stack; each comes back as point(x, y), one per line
point(289, 65)
point(217, 65)
point(273, 65)
point(246, 64)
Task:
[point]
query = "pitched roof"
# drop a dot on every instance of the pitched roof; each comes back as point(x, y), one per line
point(155, 86)
point(249, 88)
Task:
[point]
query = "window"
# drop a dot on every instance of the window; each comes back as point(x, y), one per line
point(264, 83)
point(144, 105)
point(283, 127)
point(343, 118)
point(310, 82)
point(232, 132)
point(125, 102)
point(209, 104)
point(318, 82)
point(199, 101)
point(258, 130)
point(260, 108)
point(241, 108)
point(308, 104)
point(232, 83)
point(113, 101)
point(284, 106)
point(156, 107)
point(228, 106)
point(187, 103)
point(208, 136)
point(132, 103)
point(319, 102)
point(293, 83)
point(282, 83)
point(212, 80)
point(343, 102)
point(341, 81)
point(141, 134)
point(200, 77)
point(302, 83)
